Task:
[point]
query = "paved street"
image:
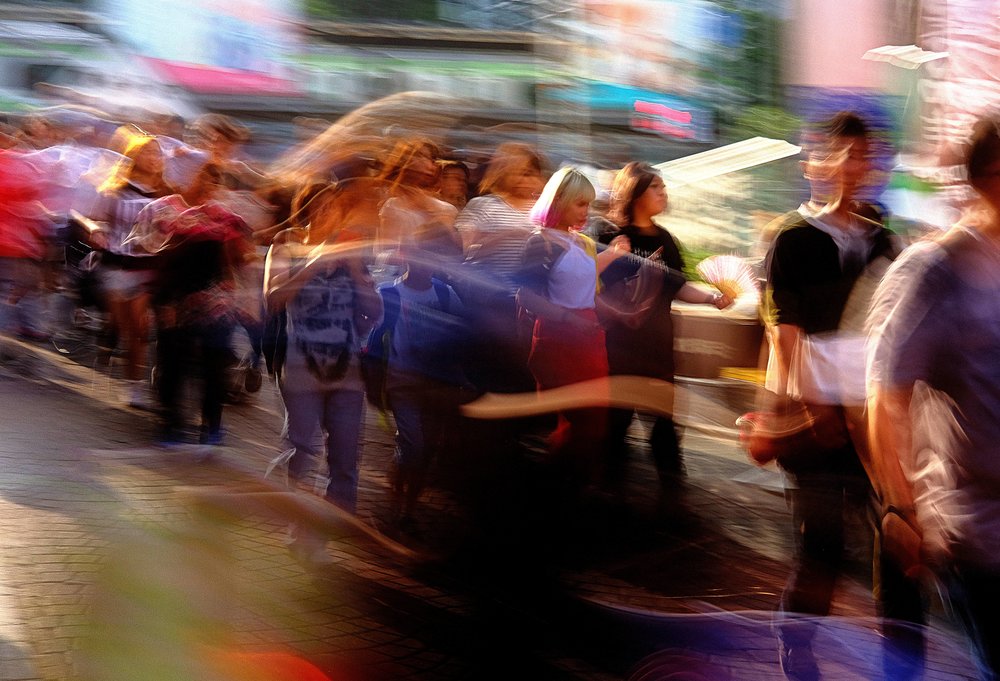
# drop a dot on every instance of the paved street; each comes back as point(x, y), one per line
point(121, 560)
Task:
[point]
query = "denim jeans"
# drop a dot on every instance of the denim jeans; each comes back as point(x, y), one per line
point(338, 413)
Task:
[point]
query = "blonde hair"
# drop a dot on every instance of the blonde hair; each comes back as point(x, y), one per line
point(131, 140)
point(566, 186)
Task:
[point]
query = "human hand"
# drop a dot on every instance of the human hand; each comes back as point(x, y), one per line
point(620, 245)
point(721, 301)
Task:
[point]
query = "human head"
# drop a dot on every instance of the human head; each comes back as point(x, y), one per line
point(839, 160)
point(307, 203)
point(982, 161)
point(561, 198)
point(411, 162)
point(514, 170)
point(347, 210)
point(204, 185)
point(453, 182)
point(142, 158)
point(637, 189)
point(220, 135)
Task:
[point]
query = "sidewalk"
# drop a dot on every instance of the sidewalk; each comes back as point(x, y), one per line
point(103, 529)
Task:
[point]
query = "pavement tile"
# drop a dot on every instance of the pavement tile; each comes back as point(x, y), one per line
point(366, 595)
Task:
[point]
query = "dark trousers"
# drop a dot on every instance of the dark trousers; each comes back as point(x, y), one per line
point(974, 595)
point(174, 349)
point(663, 442)
point(827, 485)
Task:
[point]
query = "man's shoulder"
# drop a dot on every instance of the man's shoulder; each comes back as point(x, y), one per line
point(796, 231)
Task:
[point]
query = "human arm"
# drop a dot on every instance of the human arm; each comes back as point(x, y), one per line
point(540, 306)
point(692, 294)
point(890, 447)
point(618, 247)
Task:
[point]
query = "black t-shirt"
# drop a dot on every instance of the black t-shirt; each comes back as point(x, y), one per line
point(647, 350)
point(808, 282)
point(645, 246)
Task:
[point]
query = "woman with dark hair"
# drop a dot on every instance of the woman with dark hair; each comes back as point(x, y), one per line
point(316, 273)
point(453, 182)
point(645, 347)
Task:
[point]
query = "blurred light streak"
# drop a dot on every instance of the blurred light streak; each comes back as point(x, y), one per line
point(723, 160)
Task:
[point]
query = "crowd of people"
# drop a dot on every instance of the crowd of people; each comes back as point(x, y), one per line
point(392, 269)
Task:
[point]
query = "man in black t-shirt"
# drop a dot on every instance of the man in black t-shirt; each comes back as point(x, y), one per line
point(812, 267)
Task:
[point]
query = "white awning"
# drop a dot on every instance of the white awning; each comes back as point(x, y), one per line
point(728, 159)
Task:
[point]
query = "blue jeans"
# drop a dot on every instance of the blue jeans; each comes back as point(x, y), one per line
point(338, 413)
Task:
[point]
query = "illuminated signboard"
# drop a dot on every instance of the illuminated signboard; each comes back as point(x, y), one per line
point(644, 110)
point(213, 46)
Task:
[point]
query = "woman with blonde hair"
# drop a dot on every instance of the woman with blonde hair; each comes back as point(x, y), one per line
point(558, 286)
point(136, 180)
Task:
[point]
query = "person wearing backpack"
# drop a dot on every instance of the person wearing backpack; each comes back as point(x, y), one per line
point(317, 275)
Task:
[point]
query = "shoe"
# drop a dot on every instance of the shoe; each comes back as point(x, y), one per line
point(407, 526)
point(138, 396)
point(310, 551)
point(169, 439)
point(252, 379)
point(797, 662)
point(212, 438)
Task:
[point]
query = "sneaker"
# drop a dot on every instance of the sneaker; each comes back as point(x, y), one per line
point(252, 379)
point(139, 397)
point(169, 439)
point(797, 662)
point(212, 438)
point(309, 550)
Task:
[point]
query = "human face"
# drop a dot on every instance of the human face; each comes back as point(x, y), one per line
point(843, 167)
point(149, 160)
point(651, 202)
point(575, 213)
point(421, 169)
point(526, 183)
point(453, 182)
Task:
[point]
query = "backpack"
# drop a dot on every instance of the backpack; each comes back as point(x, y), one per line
point(376, 350)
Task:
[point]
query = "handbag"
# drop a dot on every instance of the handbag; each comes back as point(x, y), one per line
point(630, 301)
point(785, 434)
point(780, 429)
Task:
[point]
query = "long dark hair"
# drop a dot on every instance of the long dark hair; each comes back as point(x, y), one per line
point(630, 183)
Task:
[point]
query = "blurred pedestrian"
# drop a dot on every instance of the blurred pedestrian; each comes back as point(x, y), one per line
point(202, 250)
point(410, 171)
point(423, 322)
point(812, 267)
point(494, 228)
point(558, 288)
point(934, 408)
point(318, 276)
point(640, 333)
point(136, 180)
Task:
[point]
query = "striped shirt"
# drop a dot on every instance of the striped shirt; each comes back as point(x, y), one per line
point(493, 235)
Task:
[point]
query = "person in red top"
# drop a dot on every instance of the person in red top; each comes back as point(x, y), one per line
point(23, 238)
